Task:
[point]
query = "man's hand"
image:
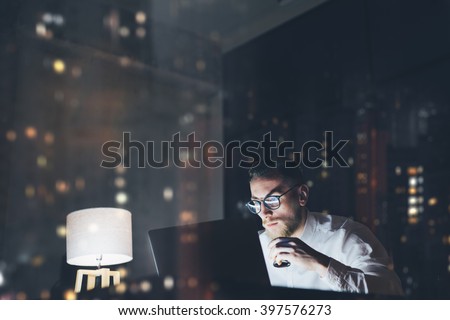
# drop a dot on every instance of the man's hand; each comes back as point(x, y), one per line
point(298, 253)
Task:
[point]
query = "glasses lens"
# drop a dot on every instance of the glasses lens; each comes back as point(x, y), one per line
point(254, 206)
point(272, 202)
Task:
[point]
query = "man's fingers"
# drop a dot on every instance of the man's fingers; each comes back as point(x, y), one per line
point(280, 250)
point(286, 244)
point(274, 242)
point(281, 240)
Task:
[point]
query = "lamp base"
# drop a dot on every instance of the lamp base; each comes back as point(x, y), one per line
point(104, 273)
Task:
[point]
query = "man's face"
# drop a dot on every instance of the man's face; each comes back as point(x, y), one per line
point(287, 219)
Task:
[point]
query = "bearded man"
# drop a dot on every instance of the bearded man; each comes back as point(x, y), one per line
point(311, 250)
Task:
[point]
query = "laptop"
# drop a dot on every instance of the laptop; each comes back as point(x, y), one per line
point(227, 251)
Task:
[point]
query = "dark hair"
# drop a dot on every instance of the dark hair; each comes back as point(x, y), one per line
point(278, 171)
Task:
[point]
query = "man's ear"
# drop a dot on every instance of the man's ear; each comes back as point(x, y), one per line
point(303, 194)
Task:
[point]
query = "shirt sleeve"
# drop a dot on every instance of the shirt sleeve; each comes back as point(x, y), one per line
point(364, 266)
point(345, 278)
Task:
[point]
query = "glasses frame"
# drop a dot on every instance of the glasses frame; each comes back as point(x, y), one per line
point(269, 196)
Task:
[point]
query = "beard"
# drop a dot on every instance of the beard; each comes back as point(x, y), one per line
point(284, 228)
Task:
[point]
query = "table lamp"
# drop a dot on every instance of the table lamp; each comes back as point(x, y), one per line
point(98, 237)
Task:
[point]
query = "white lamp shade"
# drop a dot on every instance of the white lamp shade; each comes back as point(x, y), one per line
point(96, 232)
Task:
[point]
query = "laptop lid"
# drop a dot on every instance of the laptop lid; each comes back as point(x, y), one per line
point(222, 250)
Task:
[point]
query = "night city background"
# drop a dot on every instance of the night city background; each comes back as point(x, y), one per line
point(76, 74)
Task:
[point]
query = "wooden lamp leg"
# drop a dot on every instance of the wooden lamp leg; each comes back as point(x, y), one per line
point(104, 273)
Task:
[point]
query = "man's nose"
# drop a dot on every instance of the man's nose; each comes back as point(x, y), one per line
point(264, 211)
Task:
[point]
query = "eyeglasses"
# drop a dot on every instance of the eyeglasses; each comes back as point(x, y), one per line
point(270, 202)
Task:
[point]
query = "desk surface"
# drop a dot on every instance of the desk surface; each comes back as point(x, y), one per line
point(154, 288)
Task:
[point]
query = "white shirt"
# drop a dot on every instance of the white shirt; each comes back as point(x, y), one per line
point(358, 263)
